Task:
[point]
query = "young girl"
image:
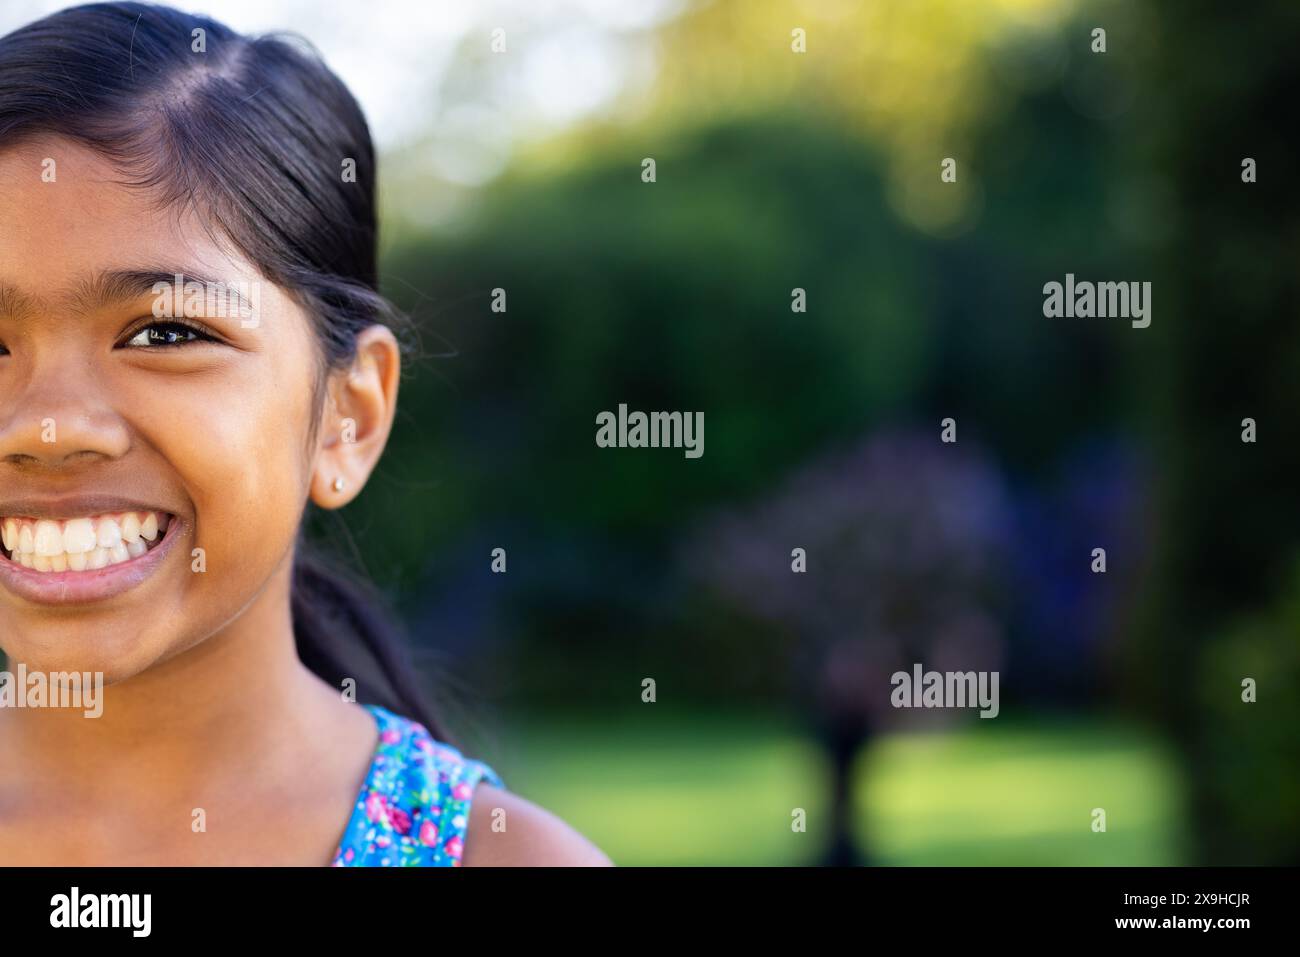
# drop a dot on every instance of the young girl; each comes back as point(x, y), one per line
point(192, 345)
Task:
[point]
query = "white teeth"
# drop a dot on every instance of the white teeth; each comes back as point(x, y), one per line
point(110, 533)
point(81, 544)
point(49, 538)
point(78, 536)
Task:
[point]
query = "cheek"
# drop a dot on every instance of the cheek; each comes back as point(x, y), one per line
point(237, 441)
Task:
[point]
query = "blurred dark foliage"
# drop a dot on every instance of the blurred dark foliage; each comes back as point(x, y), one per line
point(1222, 86)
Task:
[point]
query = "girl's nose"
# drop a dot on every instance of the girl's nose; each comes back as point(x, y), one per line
point(54, 424)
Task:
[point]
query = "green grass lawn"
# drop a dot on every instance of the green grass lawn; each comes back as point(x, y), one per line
point(693, 789)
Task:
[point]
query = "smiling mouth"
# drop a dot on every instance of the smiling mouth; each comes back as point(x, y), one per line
point(82, 544)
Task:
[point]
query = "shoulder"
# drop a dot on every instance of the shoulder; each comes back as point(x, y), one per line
point(506, 830)
point(425, 803)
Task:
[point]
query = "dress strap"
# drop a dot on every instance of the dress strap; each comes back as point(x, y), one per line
point(413, 810)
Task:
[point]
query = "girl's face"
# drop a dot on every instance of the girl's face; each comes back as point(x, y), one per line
point(112, 415)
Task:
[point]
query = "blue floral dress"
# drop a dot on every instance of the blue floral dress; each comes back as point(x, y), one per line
point(414, 807)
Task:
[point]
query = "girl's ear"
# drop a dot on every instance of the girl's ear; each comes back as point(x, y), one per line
point(358, 416)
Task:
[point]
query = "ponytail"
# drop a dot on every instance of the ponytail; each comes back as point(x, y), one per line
point(343, 631)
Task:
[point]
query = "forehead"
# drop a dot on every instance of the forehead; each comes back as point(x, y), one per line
point(65, 215)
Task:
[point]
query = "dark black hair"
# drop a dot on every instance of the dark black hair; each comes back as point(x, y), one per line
point(256, 132)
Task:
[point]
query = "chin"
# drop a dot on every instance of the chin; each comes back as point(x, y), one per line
point(118, 653)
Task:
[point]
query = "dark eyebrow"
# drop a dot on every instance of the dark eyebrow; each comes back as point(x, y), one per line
point(15, 303)
point(112, 286)
point(122, 285)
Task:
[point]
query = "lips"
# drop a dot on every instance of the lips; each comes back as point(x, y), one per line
point(56, 554)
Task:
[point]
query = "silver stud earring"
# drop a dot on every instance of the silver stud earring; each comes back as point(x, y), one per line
point(338, 484)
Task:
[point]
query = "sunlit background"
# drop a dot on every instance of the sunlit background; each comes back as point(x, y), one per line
point(521, 170)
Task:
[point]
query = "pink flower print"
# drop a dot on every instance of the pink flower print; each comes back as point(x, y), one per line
point(391, 736)
point(349, 855)
point(429, 833)
point(400, 819)
point(383, 840)
point(462, 791)
point(453, 848)
point(376, 807)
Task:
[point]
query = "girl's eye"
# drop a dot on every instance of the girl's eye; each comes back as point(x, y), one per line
point(166, 334)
